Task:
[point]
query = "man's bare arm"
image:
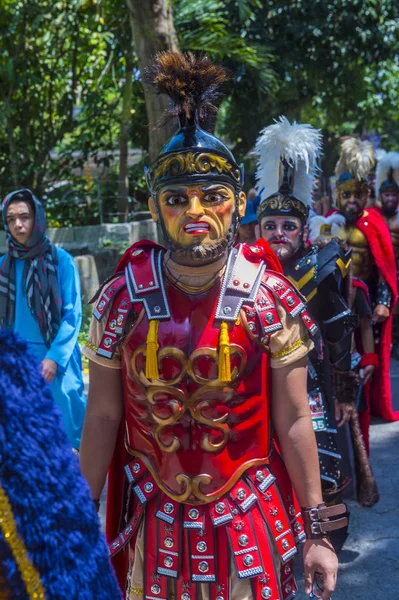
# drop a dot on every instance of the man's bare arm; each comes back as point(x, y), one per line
point(293, 424)
point(103, 415)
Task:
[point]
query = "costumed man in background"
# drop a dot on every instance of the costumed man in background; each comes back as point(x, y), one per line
point(51, 546)
point(185, 344)
point(367, 234)
point(287, 166)
point(348, 385)
point(387, 193)
point(247, 230)
point(40, 300)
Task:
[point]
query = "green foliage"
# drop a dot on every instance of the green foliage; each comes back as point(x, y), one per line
point(62, 73)
point(65, 91)
point(331, 62)
point(223, 30)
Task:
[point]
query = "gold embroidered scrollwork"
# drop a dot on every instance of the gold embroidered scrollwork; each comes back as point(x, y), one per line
point(177, 407)
point(168, 403)
point(279, 202)
point(175, 353)
point(188, 163)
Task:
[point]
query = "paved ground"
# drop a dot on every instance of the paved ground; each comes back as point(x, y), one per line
point(369, 562)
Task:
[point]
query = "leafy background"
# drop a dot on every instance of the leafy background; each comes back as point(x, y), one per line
point(71, 87)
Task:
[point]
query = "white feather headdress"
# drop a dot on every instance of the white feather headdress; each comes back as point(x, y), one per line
point(300, 146)
point(387, 170)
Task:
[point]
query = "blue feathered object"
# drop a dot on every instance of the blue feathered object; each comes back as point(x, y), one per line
point(51, 506)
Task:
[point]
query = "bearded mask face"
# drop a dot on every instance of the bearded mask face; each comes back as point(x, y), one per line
point(352, 199)
point(389, 202)
point(198, 219)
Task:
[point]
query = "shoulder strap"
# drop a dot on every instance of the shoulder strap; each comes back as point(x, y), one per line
point(144, 280)
point(240, 284)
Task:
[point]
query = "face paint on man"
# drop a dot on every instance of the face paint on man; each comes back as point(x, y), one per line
point(389, 203)
point(198, 219)
point(284, 234)
point(352, 203)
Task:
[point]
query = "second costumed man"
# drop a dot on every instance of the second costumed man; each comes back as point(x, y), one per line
point(287, 168)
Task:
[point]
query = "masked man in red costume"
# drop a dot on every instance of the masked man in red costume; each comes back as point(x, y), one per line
point(387, 193)
point(197, 362)
point(373, 263)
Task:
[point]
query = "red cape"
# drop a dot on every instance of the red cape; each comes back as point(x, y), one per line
point(116, 474)
point(376, 231)
point(374, 228)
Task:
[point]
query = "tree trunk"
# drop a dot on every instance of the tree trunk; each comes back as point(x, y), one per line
point(153, 30)
point(124, 135)
point(13, 154)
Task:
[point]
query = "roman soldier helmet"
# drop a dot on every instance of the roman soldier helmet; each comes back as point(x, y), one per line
point(192, 154)
point(387, 173)
point(355, 164)
point(287, 167)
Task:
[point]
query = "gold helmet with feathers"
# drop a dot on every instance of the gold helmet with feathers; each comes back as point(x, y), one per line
point(355, 164)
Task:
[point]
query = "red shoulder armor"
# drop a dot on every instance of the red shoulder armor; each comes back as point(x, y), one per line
point(249, 284)
point(107, 294)
point(262, 318)
point(121, 308)
point(289, 298)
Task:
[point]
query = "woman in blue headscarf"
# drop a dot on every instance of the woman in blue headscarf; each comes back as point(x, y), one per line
point(40, 300)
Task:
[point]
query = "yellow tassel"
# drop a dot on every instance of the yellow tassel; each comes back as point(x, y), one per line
point(224, 367)
point(151, 365)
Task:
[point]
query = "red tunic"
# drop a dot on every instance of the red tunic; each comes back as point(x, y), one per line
point(204, 460)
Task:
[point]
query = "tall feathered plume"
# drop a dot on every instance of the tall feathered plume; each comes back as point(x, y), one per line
point(191, 82)
point(387, 170)
point(357, 158)
point(300, 145)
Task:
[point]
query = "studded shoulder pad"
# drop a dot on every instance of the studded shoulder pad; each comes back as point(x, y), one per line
point(144, 280)
point(289, 298)
point(107, 293)
point(262, 318)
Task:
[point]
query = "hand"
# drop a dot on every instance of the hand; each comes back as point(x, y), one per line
point(367, 373)
point(49, 369)
point(343, 411)
point(380, 313)
point(319, 556)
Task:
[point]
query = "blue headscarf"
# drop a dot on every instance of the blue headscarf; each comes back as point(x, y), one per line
point(40, 272)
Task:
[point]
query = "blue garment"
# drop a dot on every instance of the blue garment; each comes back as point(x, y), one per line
point(67, 386)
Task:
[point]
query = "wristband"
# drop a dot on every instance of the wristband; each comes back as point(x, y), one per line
point(383, 294)
point(370, 358)
point(321, 519)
